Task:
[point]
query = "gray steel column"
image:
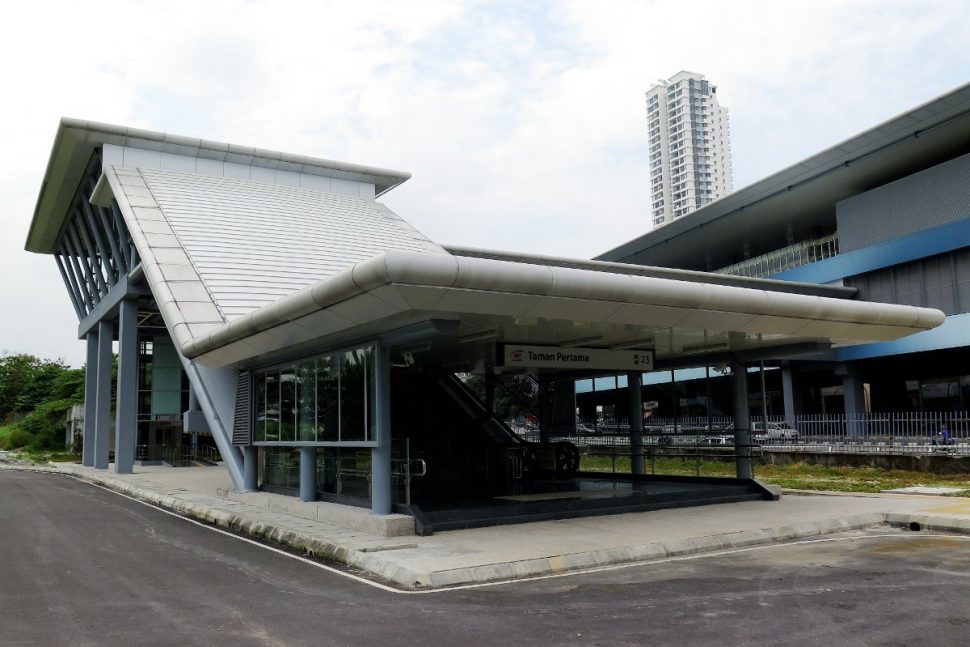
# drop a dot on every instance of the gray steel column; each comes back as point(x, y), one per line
point(90, 400)
point(102, 416)
point(250, 471)
point(308, 474)
point(742, 421)
point(854, 398)
point(381, 455)
point(788, 394)
point(126, 407)
point(636, 421)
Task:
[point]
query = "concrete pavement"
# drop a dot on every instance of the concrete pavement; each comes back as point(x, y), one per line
point(83, 566)
point(508, 552)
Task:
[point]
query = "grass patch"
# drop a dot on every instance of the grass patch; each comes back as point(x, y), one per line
point(799, 476)
point(42, 458)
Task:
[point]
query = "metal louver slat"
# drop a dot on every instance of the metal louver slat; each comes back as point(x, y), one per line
point(242, 421)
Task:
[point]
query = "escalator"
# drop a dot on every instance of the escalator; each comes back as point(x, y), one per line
point(471, 454)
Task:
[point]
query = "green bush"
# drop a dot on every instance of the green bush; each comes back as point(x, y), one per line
point(45, 425)
point(17, 439)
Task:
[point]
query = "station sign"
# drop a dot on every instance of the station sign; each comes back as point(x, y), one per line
point(514, 355)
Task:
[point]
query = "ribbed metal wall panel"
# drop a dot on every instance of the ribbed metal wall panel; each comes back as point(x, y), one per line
point(254, 243)
point(941, 281)
point(937, 196)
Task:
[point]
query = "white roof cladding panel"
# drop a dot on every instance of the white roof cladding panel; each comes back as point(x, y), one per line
point(254, 243)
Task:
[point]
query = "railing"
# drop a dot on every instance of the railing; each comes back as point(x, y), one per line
point(787, 258)
point(869, 433)
point(178, 457)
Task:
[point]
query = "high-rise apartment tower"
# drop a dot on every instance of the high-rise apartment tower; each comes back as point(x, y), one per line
point(690, 146)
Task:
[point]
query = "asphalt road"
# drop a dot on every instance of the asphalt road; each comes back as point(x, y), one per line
point(83, 566)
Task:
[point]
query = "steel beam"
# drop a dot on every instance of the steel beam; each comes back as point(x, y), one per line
point(113, 236)
point(109, 303)
point(92, 251)
point(80, 268)
point(70, 288)
point(126, 407)
point(99, 243)
point(122, 230)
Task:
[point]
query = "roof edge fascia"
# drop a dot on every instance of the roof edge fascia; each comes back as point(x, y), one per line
point(489, 275)
point(774, 285)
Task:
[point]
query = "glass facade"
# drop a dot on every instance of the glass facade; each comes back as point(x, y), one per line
point(320, 400)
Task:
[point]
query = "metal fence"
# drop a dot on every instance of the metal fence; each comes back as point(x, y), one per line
point(890, 432)
point(178, 457)
point(787, 258)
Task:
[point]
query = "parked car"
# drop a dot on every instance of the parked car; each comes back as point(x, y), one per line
point(774, 431)
point(716, 440)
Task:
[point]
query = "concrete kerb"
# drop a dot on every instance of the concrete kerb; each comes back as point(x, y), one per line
point(370, 559)
point(308, 543)
point(644, 553)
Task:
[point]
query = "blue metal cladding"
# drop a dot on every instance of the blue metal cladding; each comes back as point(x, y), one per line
point(954, 333)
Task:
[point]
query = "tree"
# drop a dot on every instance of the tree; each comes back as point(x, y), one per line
point(16, 375)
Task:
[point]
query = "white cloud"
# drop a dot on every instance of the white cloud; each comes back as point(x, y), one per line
point(523, 124)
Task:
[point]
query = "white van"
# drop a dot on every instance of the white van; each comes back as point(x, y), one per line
point(774, 430)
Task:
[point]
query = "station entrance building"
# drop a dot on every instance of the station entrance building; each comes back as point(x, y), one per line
point(324, 340)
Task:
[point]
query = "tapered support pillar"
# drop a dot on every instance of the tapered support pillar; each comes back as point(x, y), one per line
point(250, 469)
point(126, 407)
point(90, 400)
point(636, 422)
point(742, 421)
point(102, 413)
point(381, 454)
point(789, 395)
point(854, 397)
point(308, 474)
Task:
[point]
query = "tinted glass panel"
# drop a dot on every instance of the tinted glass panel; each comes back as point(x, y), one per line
point(306, 395)
point(271, 418)
point(288, 404)
point(328, 414)
point(353, 399)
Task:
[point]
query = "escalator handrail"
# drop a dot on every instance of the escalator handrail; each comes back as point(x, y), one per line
point(486, 419)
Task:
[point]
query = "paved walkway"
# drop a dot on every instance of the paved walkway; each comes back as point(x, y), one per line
point(504, 552)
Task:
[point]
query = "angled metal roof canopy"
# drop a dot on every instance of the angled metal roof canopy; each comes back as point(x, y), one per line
point(77, 139)
point(243, 269)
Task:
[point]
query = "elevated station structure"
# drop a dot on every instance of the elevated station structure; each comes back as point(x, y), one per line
point(320, 334)
point(886, 213)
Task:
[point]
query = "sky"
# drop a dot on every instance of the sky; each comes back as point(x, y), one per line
point(523, 124)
